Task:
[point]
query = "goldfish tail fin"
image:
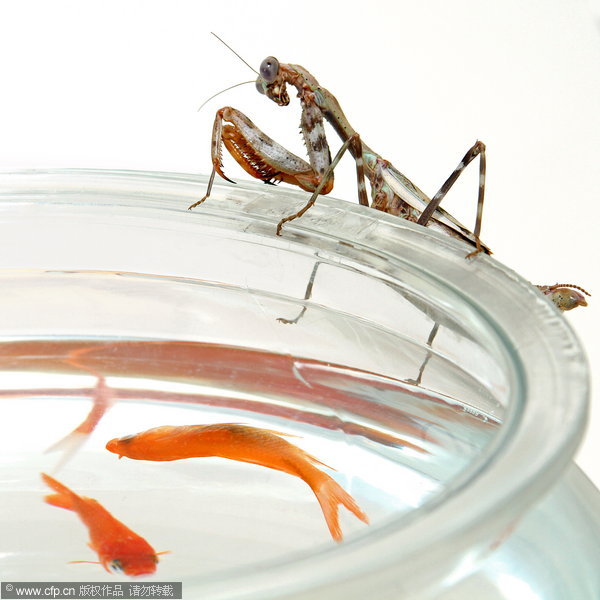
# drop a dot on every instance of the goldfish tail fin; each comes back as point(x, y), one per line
point(69, 445)
point(330, 495)
point(64, 498)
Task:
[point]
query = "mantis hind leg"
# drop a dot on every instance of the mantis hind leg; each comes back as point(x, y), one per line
point(478, 149)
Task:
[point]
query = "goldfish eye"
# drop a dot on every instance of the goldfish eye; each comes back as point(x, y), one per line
point(269, 69)
point(116, 566)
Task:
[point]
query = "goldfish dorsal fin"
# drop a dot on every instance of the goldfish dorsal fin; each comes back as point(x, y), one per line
point(258, 430)
point(283, 433)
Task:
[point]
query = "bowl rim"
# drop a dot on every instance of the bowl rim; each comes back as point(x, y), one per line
point(521, 465)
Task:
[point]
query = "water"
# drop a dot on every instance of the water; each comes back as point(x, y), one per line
point(394, 447)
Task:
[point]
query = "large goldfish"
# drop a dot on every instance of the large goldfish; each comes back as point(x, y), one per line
point(245, 444)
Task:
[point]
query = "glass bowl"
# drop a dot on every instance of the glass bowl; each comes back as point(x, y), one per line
point(446, 395)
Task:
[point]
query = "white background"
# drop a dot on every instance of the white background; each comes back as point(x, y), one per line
point(116, 84)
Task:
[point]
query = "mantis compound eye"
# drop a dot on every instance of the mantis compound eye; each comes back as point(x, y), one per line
point(269, 68)
point(260, 86)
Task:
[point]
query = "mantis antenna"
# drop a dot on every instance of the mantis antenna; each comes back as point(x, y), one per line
point(225, 90)
point(230, 48)
point(231, 86)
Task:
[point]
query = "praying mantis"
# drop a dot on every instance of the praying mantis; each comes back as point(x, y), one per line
point(391, 191)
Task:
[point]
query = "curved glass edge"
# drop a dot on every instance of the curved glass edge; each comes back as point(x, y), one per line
point(535, 335)
point(553, 553)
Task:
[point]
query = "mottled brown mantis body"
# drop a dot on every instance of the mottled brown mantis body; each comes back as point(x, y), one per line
point(391, 191)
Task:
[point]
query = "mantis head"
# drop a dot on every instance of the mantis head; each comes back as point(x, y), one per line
point(271, 82)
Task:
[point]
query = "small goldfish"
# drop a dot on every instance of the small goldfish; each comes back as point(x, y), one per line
point(245, 444)
point(119, 549)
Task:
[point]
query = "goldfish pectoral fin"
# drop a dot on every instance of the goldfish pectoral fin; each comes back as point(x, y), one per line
point(157, 554)
point(90, 562)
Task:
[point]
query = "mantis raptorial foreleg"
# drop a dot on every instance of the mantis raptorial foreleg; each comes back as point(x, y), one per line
point(208, 191)
point(215, 146)
point(259, 155)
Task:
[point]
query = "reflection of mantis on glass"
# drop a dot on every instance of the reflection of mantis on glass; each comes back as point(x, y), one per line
point(391, 191)
point(307, 295)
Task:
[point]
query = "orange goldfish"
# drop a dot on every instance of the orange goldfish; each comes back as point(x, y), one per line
point(245, 444)
point(119, 549)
